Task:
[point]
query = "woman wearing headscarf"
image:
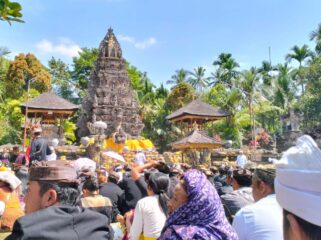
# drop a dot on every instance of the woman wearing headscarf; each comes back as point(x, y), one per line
point(196, 211)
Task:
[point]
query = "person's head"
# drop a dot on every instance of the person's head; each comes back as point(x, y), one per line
point(298, 190)
point(176, 173)
point(163, 167)
point(9, 182)
point(113, 177)
point(222, 170)
point(16, 150)
point(51, 183)
point(214, 170)
point(262, 182)
point(37, 131)
point(158, 184)
point(241, 178)
point(295, 227)
point(179, 198)
point(241, 152)
point(148, 172)
point(90, 186)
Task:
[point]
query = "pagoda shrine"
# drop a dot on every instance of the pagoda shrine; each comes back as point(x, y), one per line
point(48, 110)
point(110, 97)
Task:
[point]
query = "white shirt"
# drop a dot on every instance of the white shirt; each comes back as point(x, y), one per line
point(149, 219)
point(262, 220)
point(241, 160)
point(140, 158)
point(52, 156)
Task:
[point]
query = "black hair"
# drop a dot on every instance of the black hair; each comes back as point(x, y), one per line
point(163, 167)
point(222, 170)
point(91, 184)
point(112, 179)
point(159, 183)
point(243, 177)
point(67, 193)
point(214, 170)
point(313, 232)
point(147, 173)
point(37, 133)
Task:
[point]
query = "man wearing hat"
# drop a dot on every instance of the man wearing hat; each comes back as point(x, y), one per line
point(51, 207)
point(39, 146)
point(263, 219)
point(298, 190)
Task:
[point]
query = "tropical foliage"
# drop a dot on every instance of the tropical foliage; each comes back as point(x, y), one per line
point(263, 97)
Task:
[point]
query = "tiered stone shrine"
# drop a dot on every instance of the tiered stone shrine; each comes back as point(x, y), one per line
point(110, 97)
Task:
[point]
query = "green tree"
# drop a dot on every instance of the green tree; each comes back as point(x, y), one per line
point(300, 54)
point(284, 88)
point(310, 103)
point(21, 71)
point(179, 96)
point(4, 66)
point(227, 69)
point(198, 80)
point(249, 83)
point(82, 67)
point(10, 11)
point(265, 71)
point(61, 79)
point(316, 36)
point(180, 75)
point(236, 124)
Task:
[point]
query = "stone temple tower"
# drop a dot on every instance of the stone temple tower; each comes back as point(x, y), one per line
point(110, 97)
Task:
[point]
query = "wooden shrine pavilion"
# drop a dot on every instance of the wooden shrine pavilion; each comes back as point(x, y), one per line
point(196, 140)
point(197, 112)
point(48, 110)
point(195, 115)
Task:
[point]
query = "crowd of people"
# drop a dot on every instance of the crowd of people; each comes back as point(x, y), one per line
point(155, 200)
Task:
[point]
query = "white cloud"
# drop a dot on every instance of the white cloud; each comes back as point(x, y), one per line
point(126, 39)
point(138, 44)
point(146, 43)
point(64, 47)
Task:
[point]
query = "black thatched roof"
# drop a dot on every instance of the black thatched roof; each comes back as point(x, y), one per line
point(196, 137)
point(49, 101)
point(198, 108)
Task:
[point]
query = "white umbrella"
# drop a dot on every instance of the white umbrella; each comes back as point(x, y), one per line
point(114, 155)
point(84, 163)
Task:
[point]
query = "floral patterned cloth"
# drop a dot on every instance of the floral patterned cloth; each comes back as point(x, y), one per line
point(202, 217)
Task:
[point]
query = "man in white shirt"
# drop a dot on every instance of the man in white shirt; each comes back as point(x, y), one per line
point(241, 160)
point(262, 220)
point(140, 158)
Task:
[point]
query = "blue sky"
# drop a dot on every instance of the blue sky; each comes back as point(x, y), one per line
point(162, 36)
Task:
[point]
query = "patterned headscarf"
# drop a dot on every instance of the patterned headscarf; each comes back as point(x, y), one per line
point(202, 216)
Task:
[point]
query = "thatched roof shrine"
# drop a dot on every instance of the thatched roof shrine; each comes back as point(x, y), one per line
point(48, 106)
point(196, 140)
point(197, 111)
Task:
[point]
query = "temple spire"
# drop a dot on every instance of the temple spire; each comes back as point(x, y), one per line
point(110, 46)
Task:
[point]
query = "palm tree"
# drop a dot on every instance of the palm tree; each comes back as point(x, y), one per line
point(284, 90)
point(226, 68)
point(265, 70)
point(300, 55)
point(249, 81)
point(4, 51)
point(198, 80)
point(316, 36)
point(179, 76)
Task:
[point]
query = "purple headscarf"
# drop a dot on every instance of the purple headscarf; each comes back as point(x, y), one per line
point(202, 216)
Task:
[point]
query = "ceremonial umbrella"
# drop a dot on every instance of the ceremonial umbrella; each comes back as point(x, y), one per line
point(113, 155)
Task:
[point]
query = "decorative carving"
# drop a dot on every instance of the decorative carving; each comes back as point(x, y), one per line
point(110, 97)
